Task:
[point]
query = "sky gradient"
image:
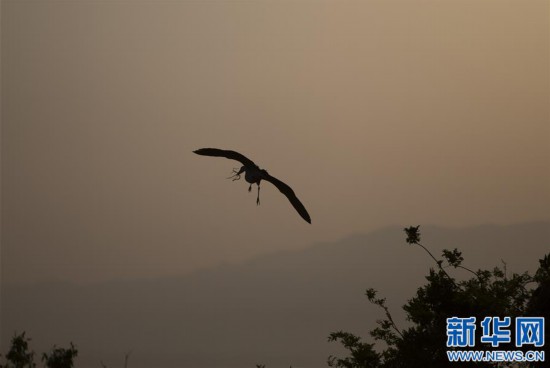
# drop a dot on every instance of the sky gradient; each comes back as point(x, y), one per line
point(377, 113)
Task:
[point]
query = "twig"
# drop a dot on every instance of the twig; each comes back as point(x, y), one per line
point(126, 356)
point(438, 263)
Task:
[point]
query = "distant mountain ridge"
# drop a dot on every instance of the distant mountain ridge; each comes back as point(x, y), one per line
point(276, 309)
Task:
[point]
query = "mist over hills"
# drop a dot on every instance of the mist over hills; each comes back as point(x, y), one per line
point(276, 309)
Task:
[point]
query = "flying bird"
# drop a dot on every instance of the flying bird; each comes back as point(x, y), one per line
point(254, 175)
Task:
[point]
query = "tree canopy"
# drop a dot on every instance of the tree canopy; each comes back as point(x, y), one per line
point(491, 293)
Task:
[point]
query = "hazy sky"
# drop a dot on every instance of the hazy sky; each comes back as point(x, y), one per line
point(375, 112)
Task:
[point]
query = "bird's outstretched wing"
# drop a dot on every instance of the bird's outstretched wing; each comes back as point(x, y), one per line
point(232, 155)
point(289, 193)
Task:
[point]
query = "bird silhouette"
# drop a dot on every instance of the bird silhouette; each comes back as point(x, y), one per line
point(253, 174)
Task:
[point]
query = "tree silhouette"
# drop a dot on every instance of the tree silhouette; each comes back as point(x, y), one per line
point(21, 356)
point(488, 293)
point(60, 357)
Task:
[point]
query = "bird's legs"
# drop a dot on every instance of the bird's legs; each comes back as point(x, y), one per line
point(236, 175)
point(258, 197)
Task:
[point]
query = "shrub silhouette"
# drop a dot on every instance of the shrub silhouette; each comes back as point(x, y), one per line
point(487, 293)
point(20, 355)
point(59, 357)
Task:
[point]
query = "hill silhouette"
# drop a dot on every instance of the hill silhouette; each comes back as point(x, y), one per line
point(277, 309)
